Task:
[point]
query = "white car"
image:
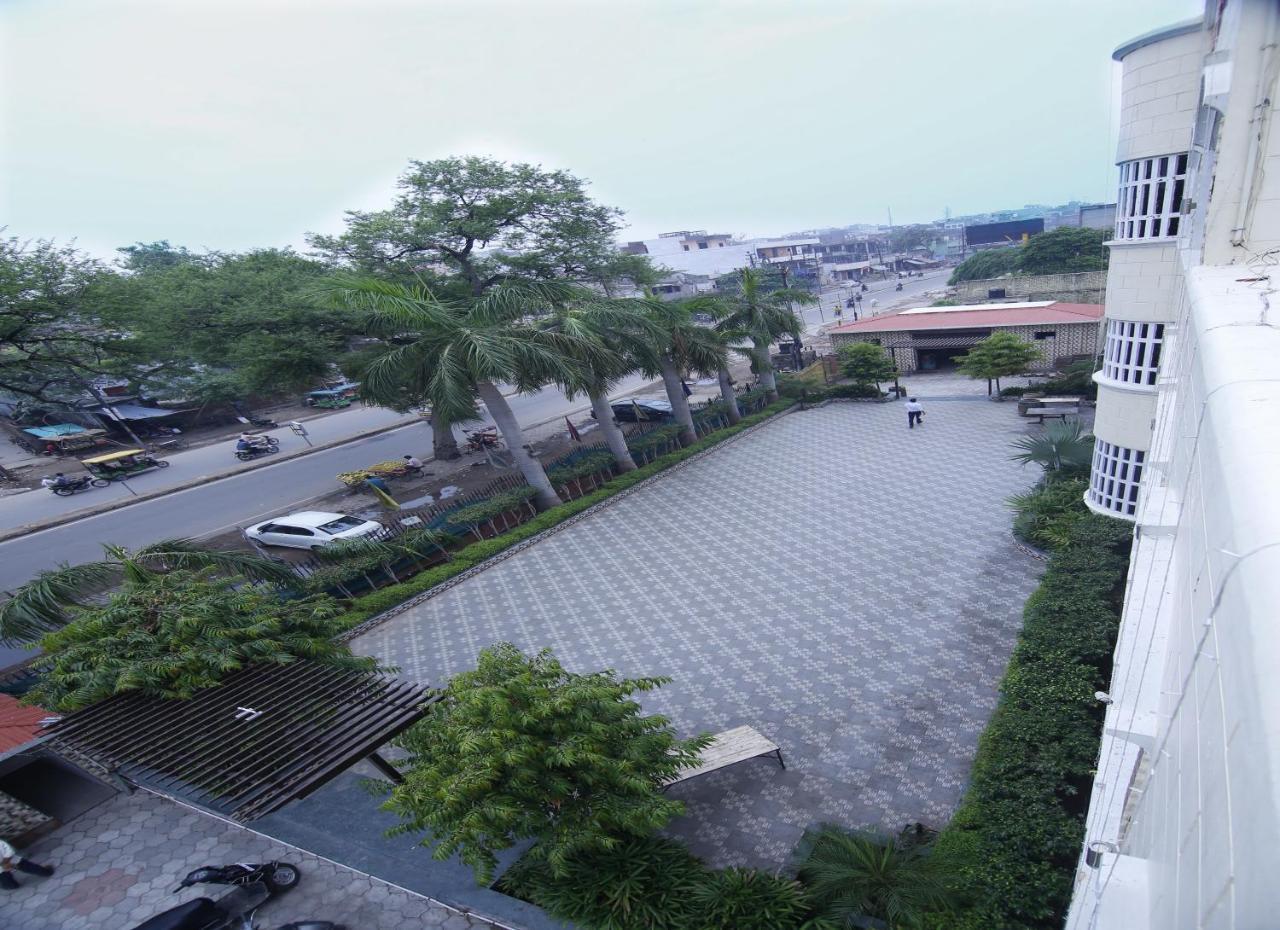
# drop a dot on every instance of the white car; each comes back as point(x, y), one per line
point(310, 529)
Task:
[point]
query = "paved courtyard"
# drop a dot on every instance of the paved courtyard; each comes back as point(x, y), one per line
point(844, 585)
point(118, 864)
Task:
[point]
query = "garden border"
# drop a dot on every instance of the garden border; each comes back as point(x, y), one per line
point(378, 619)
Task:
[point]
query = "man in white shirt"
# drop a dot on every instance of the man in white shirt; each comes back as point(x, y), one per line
point(10, 860)
point(915, 413)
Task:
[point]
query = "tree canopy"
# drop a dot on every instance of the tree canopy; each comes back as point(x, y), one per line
point(182, 632)
point(1065, 250)
point(865, 363)
point(471, 223)
point(225, 326)
point(54, 301)
point(998, 356)
point(520, 748)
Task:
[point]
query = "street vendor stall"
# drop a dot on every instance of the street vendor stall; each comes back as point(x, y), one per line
point(62, 438)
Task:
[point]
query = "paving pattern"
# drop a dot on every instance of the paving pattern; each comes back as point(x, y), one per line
point(118, 864)
point(845, 585)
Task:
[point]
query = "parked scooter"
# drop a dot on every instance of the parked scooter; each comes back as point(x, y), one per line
point(262, 422)
point(252, 885)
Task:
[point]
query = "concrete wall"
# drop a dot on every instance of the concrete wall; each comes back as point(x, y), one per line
point(1159, 95)
point(1086, 287)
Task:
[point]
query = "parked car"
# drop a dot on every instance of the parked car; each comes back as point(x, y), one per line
point(311, 529)
point(642, 409)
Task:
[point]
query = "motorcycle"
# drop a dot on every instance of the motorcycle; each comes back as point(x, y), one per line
point(481, 439)
point(252, 885)
point(262, 422)
point(265, 446)
point(70, 486)
point(899, 287)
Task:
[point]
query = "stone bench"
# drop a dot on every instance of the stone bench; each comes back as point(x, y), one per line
point(1052, 413)
point(729, 748)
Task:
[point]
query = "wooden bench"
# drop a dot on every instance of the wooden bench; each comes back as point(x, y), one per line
point(728, 748)
point(1052, 413)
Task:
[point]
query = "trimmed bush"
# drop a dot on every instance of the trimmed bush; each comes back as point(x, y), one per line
point(856, 391)
point(1015, 839)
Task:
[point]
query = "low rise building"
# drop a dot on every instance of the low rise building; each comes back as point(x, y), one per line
point(931, 338)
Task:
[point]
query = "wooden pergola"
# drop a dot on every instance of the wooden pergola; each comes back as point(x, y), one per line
point(267, 735)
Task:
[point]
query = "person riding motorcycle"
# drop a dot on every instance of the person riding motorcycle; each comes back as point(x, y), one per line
point(248, 442)
point(57, 481)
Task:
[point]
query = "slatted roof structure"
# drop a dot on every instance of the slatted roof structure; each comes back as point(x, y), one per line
point(265, 736)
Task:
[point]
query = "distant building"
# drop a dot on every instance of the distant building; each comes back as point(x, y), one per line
point(1011, 232)
point(1098, 216)
point(930, 338)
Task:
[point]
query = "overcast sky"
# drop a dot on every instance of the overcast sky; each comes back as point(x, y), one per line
point(232, 125)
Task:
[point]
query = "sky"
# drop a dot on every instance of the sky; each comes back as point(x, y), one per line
point(221, 124)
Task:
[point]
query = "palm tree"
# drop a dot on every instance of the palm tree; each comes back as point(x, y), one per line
point(677, 344)
point(48, 602)
point(603, 333)
point(1061, 449)
point(856, 876)
point(456, 351)
point(762, 316)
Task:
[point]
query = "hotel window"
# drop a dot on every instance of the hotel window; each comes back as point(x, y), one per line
point(1114, 482)
point(1150, 198)
point(1132, 352)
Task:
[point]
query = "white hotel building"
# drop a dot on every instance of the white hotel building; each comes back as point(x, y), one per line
point(1183, 827)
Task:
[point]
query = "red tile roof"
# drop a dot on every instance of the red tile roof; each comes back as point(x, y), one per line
point(975, 316)
point(18, 723)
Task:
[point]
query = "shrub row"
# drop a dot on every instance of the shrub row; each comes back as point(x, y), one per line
point(1046, 515)
point(1015, 840)
point(654, 883)
point(369, 605)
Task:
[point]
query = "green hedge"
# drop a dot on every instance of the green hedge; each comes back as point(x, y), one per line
point(362, 608)
point(654, 883)
point(1017, 835)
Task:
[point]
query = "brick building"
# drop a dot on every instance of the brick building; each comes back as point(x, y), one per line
point(929, 338)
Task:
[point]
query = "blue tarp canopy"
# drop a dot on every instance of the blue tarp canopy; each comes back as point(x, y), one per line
point(135, 412)
point(53, 432)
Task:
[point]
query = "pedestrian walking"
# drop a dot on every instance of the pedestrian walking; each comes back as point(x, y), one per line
point(10, 862)
point(915, 413)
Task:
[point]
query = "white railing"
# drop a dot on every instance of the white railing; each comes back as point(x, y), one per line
point(1114, 481)
point(1149, 204)
point(1132, 352)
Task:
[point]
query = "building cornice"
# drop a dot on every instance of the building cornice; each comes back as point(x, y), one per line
point(1158, 35)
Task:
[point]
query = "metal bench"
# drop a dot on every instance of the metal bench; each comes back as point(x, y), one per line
point(1052, 413)
point(728, 748)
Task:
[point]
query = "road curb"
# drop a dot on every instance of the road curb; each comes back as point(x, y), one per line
point(87, 512)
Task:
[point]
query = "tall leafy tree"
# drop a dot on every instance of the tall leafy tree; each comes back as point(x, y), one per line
point(224, 326)
point(1065, 250)
point(463, 226)
point(54, 301)
point(454, 351)
point(998, 356)
point(180, 632)
point(520, 748)
point(865, 363)
point(764, 315)
point(52, 599)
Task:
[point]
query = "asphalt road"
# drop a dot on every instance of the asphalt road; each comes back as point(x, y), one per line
point(228, 502)
point(882, 292)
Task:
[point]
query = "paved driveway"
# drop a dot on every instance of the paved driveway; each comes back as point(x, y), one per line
point(846, 586)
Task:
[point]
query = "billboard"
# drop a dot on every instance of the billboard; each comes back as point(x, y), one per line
point(1011, 231)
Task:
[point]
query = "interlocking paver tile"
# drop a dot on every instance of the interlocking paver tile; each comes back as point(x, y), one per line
point(845, 585)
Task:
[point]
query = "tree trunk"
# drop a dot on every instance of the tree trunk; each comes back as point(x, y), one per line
point(443, 443)
point(730, 398)
point(764, 368)
point(612, 433)
point(507, 424)
point(679, 403)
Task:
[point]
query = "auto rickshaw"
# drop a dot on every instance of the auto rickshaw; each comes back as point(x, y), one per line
point(116, 466)
point(329, 399)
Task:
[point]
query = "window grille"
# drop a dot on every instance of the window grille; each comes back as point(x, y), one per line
point(1150, 199)
point(1132, 352)
point(1116, 473)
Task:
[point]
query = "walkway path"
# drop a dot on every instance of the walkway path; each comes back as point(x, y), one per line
point(846, 586)
point(118, 865)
